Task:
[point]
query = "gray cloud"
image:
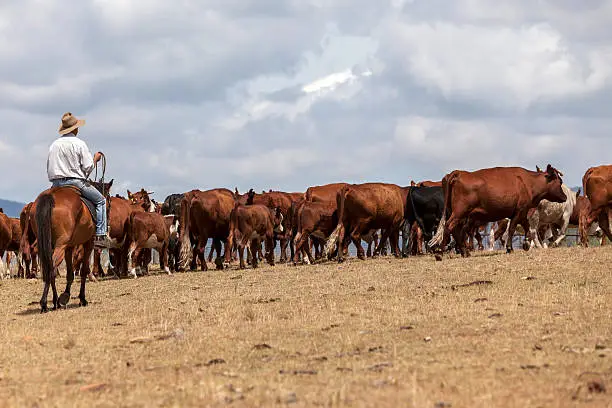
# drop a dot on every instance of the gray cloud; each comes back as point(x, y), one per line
point(287, 94)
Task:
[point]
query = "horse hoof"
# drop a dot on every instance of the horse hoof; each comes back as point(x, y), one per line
point(83, 302)
point(44, 309)
point(64, 299)
point(438, 257)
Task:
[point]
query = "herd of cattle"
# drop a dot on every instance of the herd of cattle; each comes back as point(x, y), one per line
point(431, 216)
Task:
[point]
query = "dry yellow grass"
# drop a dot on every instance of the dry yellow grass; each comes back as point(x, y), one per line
point(383, 332)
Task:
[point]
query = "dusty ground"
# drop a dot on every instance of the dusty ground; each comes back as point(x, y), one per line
point(536, 332)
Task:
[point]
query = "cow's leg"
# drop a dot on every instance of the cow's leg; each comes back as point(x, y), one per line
point(394, 242)
point(201, 247)
point(356, 239)
point(283, 249)
point(384, 236)
point(562, 231)
point(302, 241)
point(534, 223)
point(163, 258)
point(604, 224)
point(260, 255)
point(511, 229)
point(96, 263)
point(132, 255)
point(585, 222)
point(241, 244)
point(212, 250)
point(269, 245)
point(255, 249)
point(464, 229)
point(308, 254)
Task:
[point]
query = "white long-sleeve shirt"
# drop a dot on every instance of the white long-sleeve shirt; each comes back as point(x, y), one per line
point(69, 156)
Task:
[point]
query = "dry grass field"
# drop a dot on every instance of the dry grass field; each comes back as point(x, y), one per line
point(495, 330)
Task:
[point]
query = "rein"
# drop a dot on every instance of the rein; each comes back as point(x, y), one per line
point(103, 173)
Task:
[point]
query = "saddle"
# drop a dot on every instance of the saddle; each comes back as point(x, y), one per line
point(90, 205)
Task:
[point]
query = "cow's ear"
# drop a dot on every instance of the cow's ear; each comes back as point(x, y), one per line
point(578, 193)
point(129, 194)
point(110, 183)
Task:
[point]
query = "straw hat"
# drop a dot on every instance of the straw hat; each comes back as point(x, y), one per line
point(69, 123)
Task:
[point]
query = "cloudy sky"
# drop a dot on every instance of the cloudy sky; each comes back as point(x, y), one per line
point(285, 94)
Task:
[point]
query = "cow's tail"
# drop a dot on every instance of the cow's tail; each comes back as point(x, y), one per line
point(308, 194)
point(185, 253)
point(585, 179)
point(447, 186)
point(330, 244)
point(24, 244)
point(229, 244)
point(44, 207)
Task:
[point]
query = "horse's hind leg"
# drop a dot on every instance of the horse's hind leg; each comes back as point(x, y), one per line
point(85, 272)
point(65, 297)
point(58, 257)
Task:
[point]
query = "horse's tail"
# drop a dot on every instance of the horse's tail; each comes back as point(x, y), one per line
point(44, 206)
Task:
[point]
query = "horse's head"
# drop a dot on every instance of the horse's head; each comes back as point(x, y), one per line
point(103, 188)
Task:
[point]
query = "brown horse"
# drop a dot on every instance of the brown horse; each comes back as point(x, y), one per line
point(63, 223)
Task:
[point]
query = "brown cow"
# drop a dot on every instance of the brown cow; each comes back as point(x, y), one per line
point(249, 225)
point(14, 245)
point(597, 186)
point(148, 230)
point(204, 214)
point(6, 237)
point(492, 194)
point(120, 210)
point(326, 193)
point(363, 207)
point(429, 183)
point(273, 200)
point(313, 219)
point(27, 244)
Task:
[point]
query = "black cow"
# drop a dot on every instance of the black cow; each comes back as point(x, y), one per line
point(424, 206)
point(172, 206)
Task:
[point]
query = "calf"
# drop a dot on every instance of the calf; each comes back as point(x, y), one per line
point(148, 230)
point(313, 219)
point(249, 225)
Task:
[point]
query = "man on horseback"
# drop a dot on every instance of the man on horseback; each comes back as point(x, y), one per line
point(69, 164)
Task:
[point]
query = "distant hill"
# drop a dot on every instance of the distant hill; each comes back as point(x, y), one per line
point(11, 208)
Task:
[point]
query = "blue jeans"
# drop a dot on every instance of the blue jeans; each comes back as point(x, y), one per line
point(92, 194)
